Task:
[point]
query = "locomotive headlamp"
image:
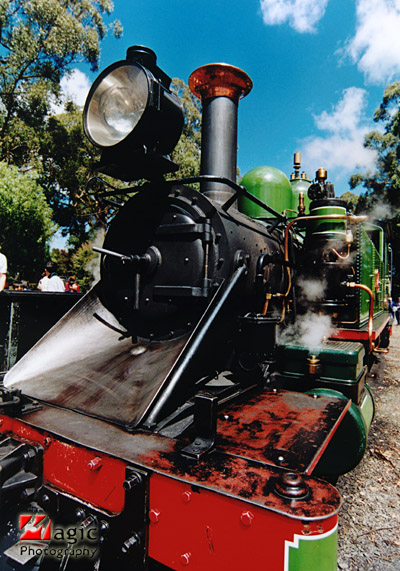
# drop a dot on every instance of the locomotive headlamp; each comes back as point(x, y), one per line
point(116, 105)
point(131, 114)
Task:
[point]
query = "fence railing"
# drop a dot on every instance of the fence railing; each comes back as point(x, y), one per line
point(25, 316)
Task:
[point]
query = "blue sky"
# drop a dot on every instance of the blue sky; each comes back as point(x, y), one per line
point(319, 68)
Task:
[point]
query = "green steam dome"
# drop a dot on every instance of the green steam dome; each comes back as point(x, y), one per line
point(270, 185)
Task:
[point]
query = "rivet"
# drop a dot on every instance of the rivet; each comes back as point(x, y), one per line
point(154, 515)
point(247, 518)
point(80, 514)
point(47, 441)
point(281, 458)
point(186, 497)
point(185, 558)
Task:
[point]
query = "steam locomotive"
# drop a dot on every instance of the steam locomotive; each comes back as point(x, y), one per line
point(195, 408)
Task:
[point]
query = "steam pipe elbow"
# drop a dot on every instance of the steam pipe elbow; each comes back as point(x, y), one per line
point(262, 261)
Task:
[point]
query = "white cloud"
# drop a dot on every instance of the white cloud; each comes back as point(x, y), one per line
point(74, 86)
point(302, 15)
point(342, 151)
point(347, 114)
point(375, 47)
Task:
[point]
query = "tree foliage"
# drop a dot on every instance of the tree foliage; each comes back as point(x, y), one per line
point(67, 158)
point(25, 222)
point(351, 200)
point(81, 264)
point(39, 41)
point(187, 152)
point(382, 188)
point(384, 183)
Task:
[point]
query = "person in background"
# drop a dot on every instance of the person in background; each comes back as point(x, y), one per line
point(53, 282)
point(397, 311)
point(42, 280)
point(72, 285)
point(390, 306)
point(3, 271)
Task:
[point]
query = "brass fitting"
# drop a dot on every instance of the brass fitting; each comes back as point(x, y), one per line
point(314, 365)
point(302, 206)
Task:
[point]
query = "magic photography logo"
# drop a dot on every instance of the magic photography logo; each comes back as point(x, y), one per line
point(39, 536)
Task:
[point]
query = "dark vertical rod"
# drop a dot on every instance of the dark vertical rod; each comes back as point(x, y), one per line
point(218, 143)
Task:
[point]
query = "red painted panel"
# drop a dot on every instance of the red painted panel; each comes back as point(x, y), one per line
point(94, 478)
point(360, 334)
point(202, 530)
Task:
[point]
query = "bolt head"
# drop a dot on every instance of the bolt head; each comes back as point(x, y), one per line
point(95, 463)
point(47, 441)
point(154, 515)
point(247, 518)
point(185, 559)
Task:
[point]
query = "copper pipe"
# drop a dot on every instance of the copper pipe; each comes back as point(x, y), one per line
point(352, 219)
point(265, 308)
point(345, 257)
point(371, 310)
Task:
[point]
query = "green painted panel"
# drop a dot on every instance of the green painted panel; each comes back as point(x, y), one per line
point(328, 229)
point(313, 553)
point(371, 273)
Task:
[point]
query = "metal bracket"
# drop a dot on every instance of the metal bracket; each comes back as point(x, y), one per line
point(14, 403)
point(205, 425)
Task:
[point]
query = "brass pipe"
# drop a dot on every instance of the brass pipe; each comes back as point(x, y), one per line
point(371, 310)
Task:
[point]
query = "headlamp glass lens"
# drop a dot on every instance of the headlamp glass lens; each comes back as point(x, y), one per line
point(117, 105)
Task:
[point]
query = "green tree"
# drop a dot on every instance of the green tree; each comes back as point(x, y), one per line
point(67, 157)
point(83, 265)
point(351, 199)
point(384, 183)
point(39, 41)
point(25, 222)
point(187, 152)
point(382, 187)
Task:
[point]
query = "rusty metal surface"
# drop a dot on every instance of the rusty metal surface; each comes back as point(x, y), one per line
point(282, 428)
point(245, 479)
point(86, 365)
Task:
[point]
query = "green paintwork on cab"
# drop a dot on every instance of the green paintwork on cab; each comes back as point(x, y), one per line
point(300, 185)
point(269, 185)
point(313, 553)
point(329, 229)
point(370, 266)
